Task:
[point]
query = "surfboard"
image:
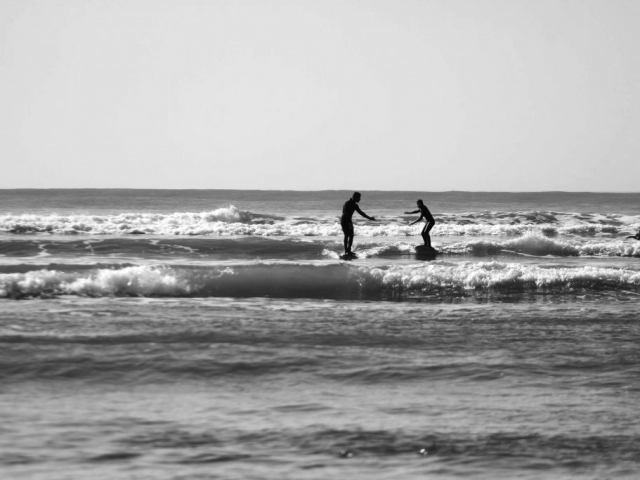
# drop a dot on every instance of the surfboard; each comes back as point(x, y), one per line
point(425, 251)
point(348, 256)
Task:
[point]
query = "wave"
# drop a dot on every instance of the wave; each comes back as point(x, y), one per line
point(435, 280)
point(181, 249)
point(532, 244)
point(231, 221)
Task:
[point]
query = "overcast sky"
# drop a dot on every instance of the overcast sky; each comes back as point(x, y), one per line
point(430, 95)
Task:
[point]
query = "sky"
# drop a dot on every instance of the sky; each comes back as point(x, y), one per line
point(420, 95)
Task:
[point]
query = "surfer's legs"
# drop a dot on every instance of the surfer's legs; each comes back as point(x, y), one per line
point(347, 228)
point(426, 237)
point(425, 233)
point(349, 241)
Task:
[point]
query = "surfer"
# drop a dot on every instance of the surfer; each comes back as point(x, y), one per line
point(426, 214)
point(636, 236)
point(346, 221)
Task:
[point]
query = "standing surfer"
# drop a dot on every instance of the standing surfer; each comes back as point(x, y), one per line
point(346, 221)
point(426, 214)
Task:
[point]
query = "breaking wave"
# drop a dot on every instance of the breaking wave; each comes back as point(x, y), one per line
point(336, 281)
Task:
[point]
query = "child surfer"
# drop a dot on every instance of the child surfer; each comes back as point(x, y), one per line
point(426, 214)
point(346, 221)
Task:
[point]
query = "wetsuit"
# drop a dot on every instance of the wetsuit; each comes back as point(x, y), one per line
point(350, 206)
point(426, 214)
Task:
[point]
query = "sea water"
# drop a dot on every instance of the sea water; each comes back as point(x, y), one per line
point(163, 334)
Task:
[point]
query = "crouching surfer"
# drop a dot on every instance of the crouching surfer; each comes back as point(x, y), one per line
point(426, 214)
point(346, 221)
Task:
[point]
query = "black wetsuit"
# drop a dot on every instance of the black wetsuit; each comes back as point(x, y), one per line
point(350, 206)
point(346, 221)
point(426, 214)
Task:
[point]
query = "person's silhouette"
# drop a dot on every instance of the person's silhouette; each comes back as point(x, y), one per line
point(636, 236)
point(426, 214)
point(346, 221)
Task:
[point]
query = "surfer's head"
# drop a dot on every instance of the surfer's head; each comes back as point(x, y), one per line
point(356, 196)
point(420, 203)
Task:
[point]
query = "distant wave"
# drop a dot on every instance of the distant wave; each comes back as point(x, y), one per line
point(230, 221)
point(335, 281)
point(136, 223)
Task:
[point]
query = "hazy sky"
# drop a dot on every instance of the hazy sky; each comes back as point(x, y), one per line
point(427, 95)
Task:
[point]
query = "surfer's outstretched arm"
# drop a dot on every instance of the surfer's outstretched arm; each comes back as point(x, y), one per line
point(411, 213)
point(364, 214)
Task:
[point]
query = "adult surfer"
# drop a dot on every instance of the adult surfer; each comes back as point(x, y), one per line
point(636, 236)
point(346, 221)
point(426, 214)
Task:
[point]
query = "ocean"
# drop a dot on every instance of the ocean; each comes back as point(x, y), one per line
point(216, 334)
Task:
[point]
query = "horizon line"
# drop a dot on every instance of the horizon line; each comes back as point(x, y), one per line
point(323, 190)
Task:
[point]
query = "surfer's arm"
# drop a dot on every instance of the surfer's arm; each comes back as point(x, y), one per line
point(410, 213)
point(363, 214)
point(421, 217)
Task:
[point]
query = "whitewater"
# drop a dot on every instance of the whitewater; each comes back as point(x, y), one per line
point(217, 334)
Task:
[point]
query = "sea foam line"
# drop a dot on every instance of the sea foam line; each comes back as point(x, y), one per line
point(231, 221)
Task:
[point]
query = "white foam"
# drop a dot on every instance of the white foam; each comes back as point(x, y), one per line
point(497, 275)
point(230, 221)
point(130, 281)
